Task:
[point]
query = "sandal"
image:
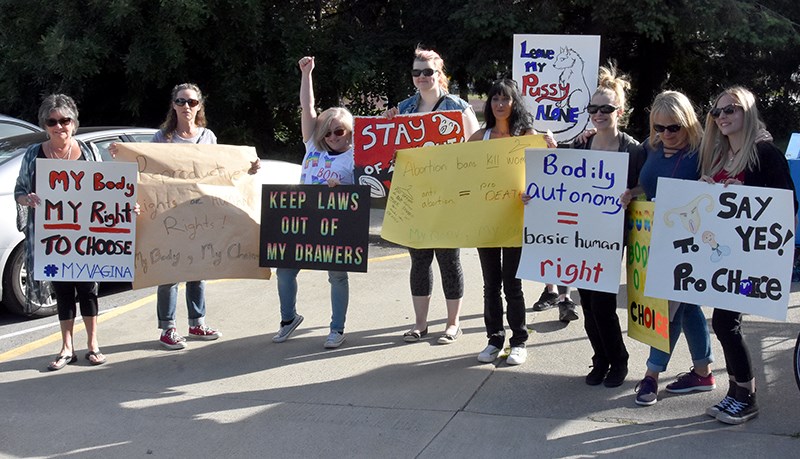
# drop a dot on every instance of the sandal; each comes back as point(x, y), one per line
point(61, 361)
point(99, 358)
point(413, 336)
point(448, 338)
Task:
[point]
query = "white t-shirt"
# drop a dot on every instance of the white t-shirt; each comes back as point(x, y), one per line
point(319, 166)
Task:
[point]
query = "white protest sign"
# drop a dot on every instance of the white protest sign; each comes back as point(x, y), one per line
point(85, 223)
point(557, 75)
point(727, 247)
point(573, 223)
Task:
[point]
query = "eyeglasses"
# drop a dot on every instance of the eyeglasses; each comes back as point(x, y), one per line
point(728, 109)
point(426, 72)
point(592, 109)
point(673, 128)
point(181, 102)
point(337, 132)
point(62, 121)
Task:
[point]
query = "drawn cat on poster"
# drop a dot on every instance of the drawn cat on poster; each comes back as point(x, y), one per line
point(571, 65)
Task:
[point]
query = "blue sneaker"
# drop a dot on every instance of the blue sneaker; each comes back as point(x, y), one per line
point(647, 392)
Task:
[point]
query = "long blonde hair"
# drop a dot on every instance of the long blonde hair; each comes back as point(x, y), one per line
point(677, 106)
point(715, 145)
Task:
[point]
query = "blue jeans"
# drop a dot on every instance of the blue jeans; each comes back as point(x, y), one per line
point(340, 296)
point(691, 320)
point(167, 300)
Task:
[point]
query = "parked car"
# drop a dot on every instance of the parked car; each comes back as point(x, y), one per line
point(12, 272)
point(10, 127)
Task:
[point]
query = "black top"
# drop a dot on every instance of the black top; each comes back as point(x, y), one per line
point(636, 155)
point(772, 172)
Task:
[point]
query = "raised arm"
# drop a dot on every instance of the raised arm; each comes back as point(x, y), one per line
point(308, 119)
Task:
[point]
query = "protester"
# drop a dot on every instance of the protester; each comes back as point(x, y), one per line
point(505, 116)
point(185, 123)
point(672, 151)
point(733, 153)
point(606, 108)
point(328, 161)
point(431, 82)
point(58, 115)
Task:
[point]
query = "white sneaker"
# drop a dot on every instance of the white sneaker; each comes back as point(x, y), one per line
point(517, 356)
point(286, 330)
point(335, 339)
point(489, 354)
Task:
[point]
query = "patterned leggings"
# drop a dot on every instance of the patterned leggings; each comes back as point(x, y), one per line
point(422, 274)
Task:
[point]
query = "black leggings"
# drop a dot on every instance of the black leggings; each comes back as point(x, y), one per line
point(728, 328)
point(65, 298)
point(422, 274)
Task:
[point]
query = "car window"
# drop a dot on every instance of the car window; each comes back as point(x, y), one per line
point(103, 144)
point(8, 130)
point(141, 137)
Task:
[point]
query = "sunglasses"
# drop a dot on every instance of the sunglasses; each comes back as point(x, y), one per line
point(673, 128)
point(337, 132)
point(728, 109)
point(592, 109)
point(426, 72)
point(62, 121)
point(181, 102)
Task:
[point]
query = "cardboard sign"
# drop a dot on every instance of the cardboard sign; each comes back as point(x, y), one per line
point(574, 220)
point(315, 227)
point(557, 75)
point(648, 318)
point(727, 247)
point(376, 139)
point(462, 195)
point(85, 224)
point(200, 212)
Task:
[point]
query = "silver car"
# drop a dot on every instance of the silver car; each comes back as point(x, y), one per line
point(10, 127)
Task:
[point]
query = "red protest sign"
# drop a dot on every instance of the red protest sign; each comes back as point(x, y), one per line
point(376, 138)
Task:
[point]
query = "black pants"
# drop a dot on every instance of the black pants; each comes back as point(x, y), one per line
point(499, 268)
point(421, 277)
point(65, 298)
point(728, 328)
point(601, 323)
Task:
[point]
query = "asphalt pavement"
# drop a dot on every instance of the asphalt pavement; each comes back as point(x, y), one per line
point(376, 396)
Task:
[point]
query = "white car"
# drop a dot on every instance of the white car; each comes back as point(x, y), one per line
point(12, 272)
point(10, 127)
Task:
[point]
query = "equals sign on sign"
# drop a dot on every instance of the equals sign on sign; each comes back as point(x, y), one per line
point(463, 193)
point(568, 218)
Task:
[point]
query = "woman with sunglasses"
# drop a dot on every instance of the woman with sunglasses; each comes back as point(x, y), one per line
point(672, 151)
point(610, 359)
point(329, 160)
point(428, 75)
point(733, 152)
point(185, 123)
point(58, 115)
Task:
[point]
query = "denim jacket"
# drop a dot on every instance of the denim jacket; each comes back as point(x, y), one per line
point(450, 102)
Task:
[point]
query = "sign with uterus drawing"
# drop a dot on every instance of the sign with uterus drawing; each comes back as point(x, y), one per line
point(557, 75)
point(727, 247)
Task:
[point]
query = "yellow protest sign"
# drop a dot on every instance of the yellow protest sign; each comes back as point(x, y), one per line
point(648, 318)
point(459, 195)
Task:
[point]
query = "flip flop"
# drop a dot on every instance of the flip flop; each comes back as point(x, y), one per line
point(413, 336)
point(448, 338)
point(99, 357)
point(61, 361)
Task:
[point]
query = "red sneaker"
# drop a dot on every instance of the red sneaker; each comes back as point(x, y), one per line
point(170, 339)
point(691, 381)
point(204, 332)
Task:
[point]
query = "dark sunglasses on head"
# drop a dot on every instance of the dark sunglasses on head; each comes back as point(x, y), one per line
point(181, 102)
point(426, 72)
point(671, 128)
point(62, 121)
point(337, 132)
point(728, 109)
point(592, 109)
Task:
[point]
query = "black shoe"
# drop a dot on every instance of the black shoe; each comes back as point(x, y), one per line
point(566, 311)
point(547, 300)
point(742, 409)
point(597, 375)
point(616, 376)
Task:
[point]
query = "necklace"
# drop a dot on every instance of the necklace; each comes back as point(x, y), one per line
point(54, 154)
point(732, 155)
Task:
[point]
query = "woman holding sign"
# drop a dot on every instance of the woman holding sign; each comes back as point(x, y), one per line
point(58, 115)
point(610, 359)
point(431, 82)
point(328, 161)
point(672, 151)
point(732, 153)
